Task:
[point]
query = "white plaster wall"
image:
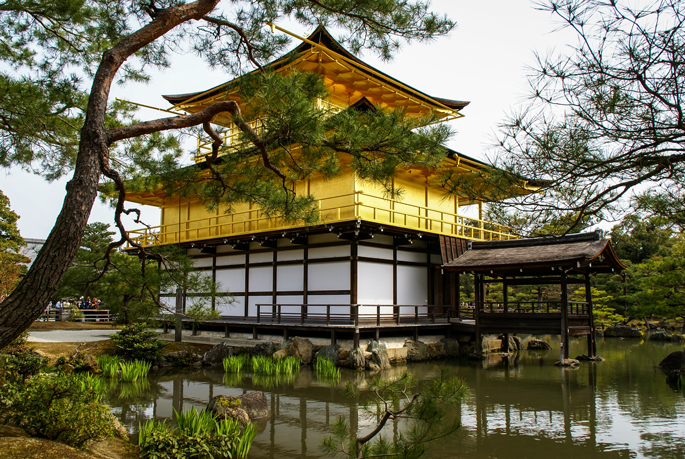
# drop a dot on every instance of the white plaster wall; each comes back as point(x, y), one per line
point(264, 257)
point(231, 280)
point(374, 252)
point(169, 302)
point(290, 277)
point(203, 262)
point(416, 257)
point(236, 308)
point(318, 304)
point(229, 260)
point(261, 279)
point(374, 284)
point(294, 300)
point(254, 301)
point(412, 287)
point(329, 252)
point(329, 276)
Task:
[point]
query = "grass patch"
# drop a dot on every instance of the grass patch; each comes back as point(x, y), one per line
point(268, 366)
point(235, 363)
point(326, 371)
point(132, 371)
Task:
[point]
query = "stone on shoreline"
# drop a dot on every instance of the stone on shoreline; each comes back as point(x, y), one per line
point(253, 404)
point(538, 345)
point(217, 354)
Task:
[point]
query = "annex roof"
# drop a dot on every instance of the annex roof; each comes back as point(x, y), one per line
point(573, 253)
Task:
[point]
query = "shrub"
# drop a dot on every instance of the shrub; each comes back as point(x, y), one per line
point(62, 407)
point(136, 341)
point(17, 367)
point(199, 435)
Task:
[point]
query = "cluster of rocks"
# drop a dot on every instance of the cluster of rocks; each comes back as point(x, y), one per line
point(663, 335)
point(374, 356)
point(622, 331)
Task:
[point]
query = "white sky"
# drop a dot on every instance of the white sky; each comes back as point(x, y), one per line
point(483, 61)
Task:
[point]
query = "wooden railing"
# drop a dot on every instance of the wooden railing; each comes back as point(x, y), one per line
point(532, 307)
point(331, 210)
point(359, 315)
point(89, 315)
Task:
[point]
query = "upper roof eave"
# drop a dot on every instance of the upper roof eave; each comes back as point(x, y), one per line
point(324, 38)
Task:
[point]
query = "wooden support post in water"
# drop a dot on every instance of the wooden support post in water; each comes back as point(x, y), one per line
point(564, 317)
point(356, 338)
point(333, 338)
point(254, 332)
point(478, 292)
point(591, 339)
point(227, 331)
point(178, 333)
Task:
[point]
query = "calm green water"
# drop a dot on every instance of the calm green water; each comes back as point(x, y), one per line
point(518, 407)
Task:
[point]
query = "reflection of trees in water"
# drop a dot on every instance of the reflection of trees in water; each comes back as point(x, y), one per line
point(134, 401)
point(519, 404)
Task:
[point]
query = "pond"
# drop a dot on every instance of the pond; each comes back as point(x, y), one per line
point(520, 406)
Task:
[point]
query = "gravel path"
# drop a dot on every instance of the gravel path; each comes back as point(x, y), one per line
point(69, 336)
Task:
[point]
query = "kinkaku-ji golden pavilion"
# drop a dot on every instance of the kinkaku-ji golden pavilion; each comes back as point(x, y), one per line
point(369, 256)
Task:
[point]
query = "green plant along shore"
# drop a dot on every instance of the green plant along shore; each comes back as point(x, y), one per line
point(198, 434)
point(65, 402)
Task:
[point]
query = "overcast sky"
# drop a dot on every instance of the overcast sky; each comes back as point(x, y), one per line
point(484, 60)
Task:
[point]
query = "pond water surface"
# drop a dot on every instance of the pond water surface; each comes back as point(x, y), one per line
point(520, 406)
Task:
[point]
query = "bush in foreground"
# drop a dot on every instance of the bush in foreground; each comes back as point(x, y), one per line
point(199, 436)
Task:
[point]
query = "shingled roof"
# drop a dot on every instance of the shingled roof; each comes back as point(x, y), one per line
point(576, 253)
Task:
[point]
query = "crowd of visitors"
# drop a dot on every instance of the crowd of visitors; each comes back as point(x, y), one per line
point(81, 303)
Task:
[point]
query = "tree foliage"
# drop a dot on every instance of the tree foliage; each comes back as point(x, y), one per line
point(63, 58)
point(605, 120)
point(11, 242)
point(130, 286)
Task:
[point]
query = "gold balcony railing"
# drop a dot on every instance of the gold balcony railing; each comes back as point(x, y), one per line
point(230, 135)
point(335, 209)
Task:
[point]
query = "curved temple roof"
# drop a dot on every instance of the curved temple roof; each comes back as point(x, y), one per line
point(574, 253)
point(322, 54)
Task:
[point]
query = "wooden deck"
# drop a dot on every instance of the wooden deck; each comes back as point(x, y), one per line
point(354, 321)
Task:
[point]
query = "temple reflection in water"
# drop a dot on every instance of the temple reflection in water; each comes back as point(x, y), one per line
point(519, 406)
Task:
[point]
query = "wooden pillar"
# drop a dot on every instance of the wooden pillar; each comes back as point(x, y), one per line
point(505, 299)
point(564, 352)
point(457, 287)
point(591, 340)
point(478, 298)
point(178, 332)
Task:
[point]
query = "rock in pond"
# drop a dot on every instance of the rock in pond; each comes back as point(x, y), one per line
point(303, 349)
point(379, 359)
point(253, 404)
point(538, 345)
point(263, 349)
point(217, 354)
point(357, 359)
point(673, 361)
point(567, 363)
point(330, 352)
point(417, 351)
point(450, 347)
